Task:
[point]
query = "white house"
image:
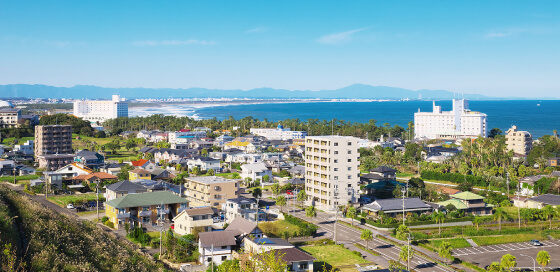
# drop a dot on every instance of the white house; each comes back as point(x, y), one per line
point(204, 163)
point(216, 246)
point(242, 207)
point(26, 148)
point(189, 219)
point(255, 171)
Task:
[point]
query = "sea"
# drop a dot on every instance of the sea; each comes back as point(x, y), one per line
point(538, 117)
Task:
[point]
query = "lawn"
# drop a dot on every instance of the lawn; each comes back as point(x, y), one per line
point(8, 141)
point(227, 175)
point(90, 212)
point(494, 240)
point(405, 175)
point(18, 178)
point(335, 256)
point(455, 242)
point(122, 153)
point(63, 200)
point(275, 229)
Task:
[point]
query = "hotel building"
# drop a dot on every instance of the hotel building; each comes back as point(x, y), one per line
point(101, 110)
point(279, 133)
point(461, 122)
point(521, 142)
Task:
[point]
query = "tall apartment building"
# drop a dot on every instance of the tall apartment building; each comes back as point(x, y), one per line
point(210, 190)
point(521, 142)
point(461, 122)
point(332, 170)
point(101, 110)
point(53, 139)
point(279, 133)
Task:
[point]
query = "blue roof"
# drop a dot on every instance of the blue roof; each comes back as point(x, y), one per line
point(263, 241)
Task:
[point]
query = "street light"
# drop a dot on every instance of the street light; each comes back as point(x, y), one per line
point(507, 183)
point(408, 254)
point(403, 191)
point(534, 263)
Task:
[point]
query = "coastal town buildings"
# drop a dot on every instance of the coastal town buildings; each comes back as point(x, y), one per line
point(332, 170)
point(53, 139)
point(210, 190)
point(101, 110)
point(279, 133)
point(9, 117)
point(521, 142)
point(189, 220)
point(460, 122)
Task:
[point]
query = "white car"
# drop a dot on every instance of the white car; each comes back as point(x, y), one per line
point(70, 206)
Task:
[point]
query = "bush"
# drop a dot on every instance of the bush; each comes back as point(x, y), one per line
point(357, 253)
point(454, 177)
point(109, 224)
point(104, 219)
point(306, 229)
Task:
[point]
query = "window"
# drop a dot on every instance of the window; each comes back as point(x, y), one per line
point(335, 177)
point(349, 168)
point(349, 151)
point(349, 143)
point(349, 176)
point(349, 160)
point(224, 258)
point(335, 144)
point(336, 152)
point(224, 247)
point(349, 185)
point(216, 203)
point(336, 169)
point(335, 161)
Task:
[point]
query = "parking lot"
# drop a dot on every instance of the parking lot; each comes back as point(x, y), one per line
point(485, 255)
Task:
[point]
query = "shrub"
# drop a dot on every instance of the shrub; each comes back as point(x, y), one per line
point(109, 224)
point(357, 253)
point(306, 229)
point(104, 219)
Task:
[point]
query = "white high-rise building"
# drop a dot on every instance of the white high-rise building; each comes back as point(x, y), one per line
point(461, 122)
point(101, 110)
point(332, 170)
point(279, 133)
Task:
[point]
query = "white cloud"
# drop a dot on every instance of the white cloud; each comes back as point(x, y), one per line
point(173, 42)
point(259, 29)
point(520, 31)
point(339, 37)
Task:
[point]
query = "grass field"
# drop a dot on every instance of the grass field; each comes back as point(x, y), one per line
point(8, 141)
point(405, 175)
point(63, 200)
point(91, 212)
point(275, 229)
point(494, 240)
point(226, 175)
point(19, 178)
point(335, 256)
point(455, 242)
point(122, 153)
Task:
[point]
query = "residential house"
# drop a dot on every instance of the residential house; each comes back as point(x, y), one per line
point(255, 171)
point(73, 170)
point(295, 259)
point(210, 190)
point(242, 207)
point(297, 171)
point(199, 218)
point(54, 162)
point(25, 148)
point(159, 174)
point(264, 244)
point(147, 150)
point(154, 186)
point(139, 173)
point(168, 154)
point(242, 228)
point(204, 163)
point(144, 208)
point(222, 139)
point(144, 164)
point(111, 168)
point(385, 172)
point(123, 188)
point(7, 167)
point(542, 200)
point(199, 144)
point(243, 146)
point(243, 158)
point(277, 164)
point(216, 247)
point(469, 203)
point(90, 159)
point(394, 206)
point(95, 177)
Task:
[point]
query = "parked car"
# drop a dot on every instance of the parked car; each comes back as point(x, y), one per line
point(70, 206)
point(535, 243)
point(80, 209)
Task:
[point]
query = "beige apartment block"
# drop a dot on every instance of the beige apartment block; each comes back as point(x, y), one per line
point(53, 139)
point(210, 190)
point(521, 142)
point(332, 169)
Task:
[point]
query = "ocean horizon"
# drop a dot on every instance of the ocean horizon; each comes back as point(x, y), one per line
point(539, 117)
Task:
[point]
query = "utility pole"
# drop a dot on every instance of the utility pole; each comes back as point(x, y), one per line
point(97, 191)
point(507, 183)
point(403, 191)
point(534, 264)
point(408, 254)
point(335, 208)
point(518, 208)
point(212, 257)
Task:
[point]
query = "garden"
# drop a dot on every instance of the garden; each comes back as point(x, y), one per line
point(63, 200)
point(334, 256)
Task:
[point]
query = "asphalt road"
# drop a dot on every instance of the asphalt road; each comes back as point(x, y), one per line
point(485, 255)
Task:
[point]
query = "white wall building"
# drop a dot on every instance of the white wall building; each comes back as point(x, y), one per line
point(183, 137)
point(279, 133)
point(331, 170)
point(101, 110)
point(461, 122)
point(25, 148)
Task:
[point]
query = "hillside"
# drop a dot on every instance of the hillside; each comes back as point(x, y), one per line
point(49, 241)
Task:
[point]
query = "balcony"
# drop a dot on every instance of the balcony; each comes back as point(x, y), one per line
point(123, 215)
point(163, 211)
point(145, 213)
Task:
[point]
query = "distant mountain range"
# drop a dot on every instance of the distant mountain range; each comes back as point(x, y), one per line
point(356, 91)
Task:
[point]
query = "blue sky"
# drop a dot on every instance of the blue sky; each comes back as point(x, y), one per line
point(497, 48)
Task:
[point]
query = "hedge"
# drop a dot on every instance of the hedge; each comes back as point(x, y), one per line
point(306, 228)
point(453, 177)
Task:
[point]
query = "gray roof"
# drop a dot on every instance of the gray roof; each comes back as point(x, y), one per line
point(241, 225)
point(293, 255)
point(205, 159)
point(210, 179)
point(296, 181)
point(88, 155)
point(242, 200)
point(383, 169)
point(125, 185)
point(8, 110)
point(373, 176)
point(298, 169)
point(146, 149)
point(217, 238)
point(548, 199)
point(396, 204)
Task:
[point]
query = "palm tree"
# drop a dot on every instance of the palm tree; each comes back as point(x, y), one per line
point(478, 220)
point(500, 214)
point(301, 196)
point(543, 258)
point(367, 236)
point(351, 213)
point(445, 250)
point(275, 188)
point(438, 217)
point(311, 212)
point(406, 254)
point(281, 201)
point(508, 261)
point(549, 212)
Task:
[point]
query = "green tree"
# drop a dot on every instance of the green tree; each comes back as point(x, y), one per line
point(439, 217)
point(508, 261)
point(257, 193)
point(500, 214)
point(406, 255)
point(478, 220)
point(210, 172)
point(265, 178)
point(311, 212)
point(204, 152)
point(130, 145)
point(549, 212)
point(163, 144)
point(351, 213)
point(275, 189)
point(543, 258)
point(195, 170)
point(445, 250)
point(113, 146)
point(367, 236)
point(301, 196)
point(402, 232)
point(281, 201)
point(495, 267)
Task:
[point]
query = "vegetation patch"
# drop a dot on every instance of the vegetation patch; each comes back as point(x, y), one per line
point(333, 256)
point(455, 242)
point(19, 178)
point(277, 229)
point(64, 200)
point(494, 240)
